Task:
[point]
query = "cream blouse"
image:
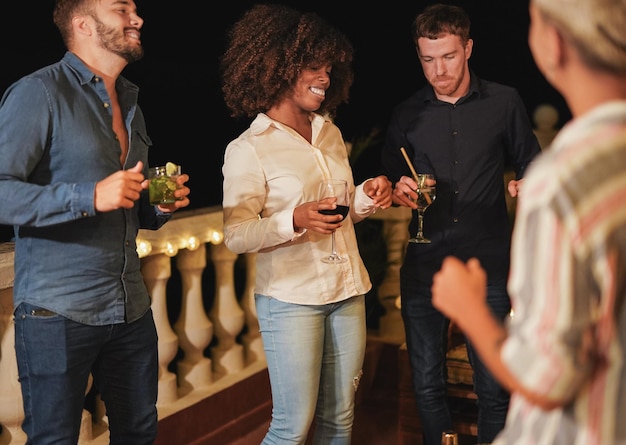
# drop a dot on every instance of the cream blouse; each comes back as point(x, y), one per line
point(268, 171)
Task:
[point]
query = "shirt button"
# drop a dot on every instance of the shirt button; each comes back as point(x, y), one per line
point(85, 214)
point(456, 192)
point(456, 220)
point(106, 105)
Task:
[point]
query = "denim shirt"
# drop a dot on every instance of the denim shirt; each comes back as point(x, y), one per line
point(56, 142)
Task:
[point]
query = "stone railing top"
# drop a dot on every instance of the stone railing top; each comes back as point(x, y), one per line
point(195, 226)
point(186, 230)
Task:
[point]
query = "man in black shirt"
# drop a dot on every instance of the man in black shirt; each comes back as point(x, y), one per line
point(467, 132)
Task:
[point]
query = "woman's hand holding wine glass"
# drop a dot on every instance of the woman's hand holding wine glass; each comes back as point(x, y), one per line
point(335, 188)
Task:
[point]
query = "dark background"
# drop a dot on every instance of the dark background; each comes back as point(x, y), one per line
point(178, 77)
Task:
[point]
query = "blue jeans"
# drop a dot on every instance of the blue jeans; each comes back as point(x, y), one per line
point(314, 357)
point(427, 340)
point(55, 357)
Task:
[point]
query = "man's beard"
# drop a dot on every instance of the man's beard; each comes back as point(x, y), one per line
point(454, 83)
point(451, 87)
point(110, 40)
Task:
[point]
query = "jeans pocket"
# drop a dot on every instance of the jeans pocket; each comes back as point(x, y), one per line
point(42, 339)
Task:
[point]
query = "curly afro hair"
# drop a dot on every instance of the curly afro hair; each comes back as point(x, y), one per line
point(268, 48)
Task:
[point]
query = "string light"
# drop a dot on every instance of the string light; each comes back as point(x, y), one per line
point(143, 248)
point(193, 243)
point(171, 249)
point(216, 236)
point(172, 246)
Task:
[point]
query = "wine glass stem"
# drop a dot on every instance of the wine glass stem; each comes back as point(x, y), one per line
point(420, 223)
point(332, 240)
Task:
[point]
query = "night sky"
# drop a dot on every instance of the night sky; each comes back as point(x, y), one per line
point(178, 76)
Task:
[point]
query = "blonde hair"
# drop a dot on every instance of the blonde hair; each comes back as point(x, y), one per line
point(596, 28)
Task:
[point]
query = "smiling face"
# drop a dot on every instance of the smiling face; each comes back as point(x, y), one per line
point(310, 89)
point(117, 27)
point(444, 61)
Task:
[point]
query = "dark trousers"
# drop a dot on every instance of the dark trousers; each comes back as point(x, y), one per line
point(426, 337)
point(55, 357)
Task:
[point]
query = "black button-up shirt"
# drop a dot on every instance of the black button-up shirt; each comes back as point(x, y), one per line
point(468, 146)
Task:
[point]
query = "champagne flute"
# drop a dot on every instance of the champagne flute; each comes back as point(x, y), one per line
point(426, 193)
point(334, 188)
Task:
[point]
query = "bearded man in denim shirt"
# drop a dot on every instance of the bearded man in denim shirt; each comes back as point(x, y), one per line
point(74, 152)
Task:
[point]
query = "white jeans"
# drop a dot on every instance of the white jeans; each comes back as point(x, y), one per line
point(314, 358)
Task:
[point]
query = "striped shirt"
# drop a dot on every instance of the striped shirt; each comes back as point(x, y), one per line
point(568, 284)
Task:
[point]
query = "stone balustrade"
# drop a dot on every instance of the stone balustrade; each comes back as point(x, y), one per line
point(213, 340)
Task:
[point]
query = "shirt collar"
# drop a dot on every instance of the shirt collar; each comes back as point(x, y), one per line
point(85, 75)
point(78, 66)
point(262, 122)
point(576, 129)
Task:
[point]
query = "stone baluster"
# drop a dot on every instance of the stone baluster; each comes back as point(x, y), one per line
point(157, 270)
point(226, 314)
point(253, 344)
point(92, 424)
point(99, 422)
point(396, 234)
point(546, 119)
point(193, 327)
point(11, 410)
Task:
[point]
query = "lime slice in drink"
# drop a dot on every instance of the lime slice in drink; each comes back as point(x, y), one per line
point(171, 168)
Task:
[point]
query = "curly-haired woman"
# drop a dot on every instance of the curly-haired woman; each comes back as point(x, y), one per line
point(289, 71)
